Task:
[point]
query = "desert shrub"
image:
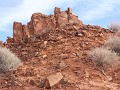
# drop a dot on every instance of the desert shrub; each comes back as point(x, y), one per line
point(114, 27)
point(103, 58)
point(8, 61)
point(114, 44)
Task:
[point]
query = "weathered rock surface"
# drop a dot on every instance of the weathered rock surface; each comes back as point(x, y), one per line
point(17, 32)
point(54, 79)
point(41, 24)
point(62, 47)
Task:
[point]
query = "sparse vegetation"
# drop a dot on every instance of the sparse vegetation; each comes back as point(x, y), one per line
point(103, 58)
point(114, 44)
point(114, 27)
point(8, 61)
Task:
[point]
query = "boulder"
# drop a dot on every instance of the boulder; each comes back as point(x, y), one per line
point(53, 79)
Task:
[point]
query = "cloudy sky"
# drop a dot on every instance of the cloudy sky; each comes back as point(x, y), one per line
point(94, 12)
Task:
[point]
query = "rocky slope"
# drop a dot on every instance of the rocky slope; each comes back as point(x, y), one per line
point(53, 50)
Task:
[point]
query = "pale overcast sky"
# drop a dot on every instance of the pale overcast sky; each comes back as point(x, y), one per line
point(94, 12)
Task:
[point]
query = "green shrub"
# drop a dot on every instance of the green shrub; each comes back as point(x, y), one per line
point(103, 58)
point(114, 44)
point(8, 61)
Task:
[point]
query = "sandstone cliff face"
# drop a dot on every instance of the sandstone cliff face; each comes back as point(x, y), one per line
point(41, 23)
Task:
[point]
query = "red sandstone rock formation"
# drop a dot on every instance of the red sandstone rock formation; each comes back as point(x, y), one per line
point(41, 23)
point(58, 61)
point(17, 31)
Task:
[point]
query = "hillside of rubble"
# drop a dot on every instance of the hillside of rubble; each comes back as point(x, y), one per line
point(53, 50)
